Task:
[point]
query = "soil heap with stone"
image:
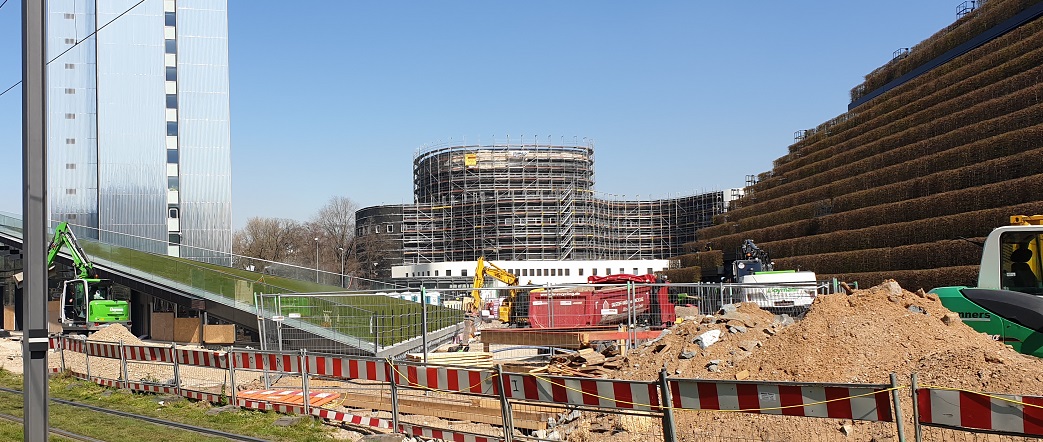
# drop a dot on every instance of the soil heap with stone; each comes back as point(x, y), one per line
point(857, 338)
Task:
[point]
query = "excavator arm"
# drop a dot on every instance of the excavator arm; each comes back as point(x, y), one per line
point(63, 236)
point(489, 269)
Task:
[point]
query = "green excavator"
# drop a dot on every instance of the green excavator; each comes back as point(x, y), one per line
point(1007, 303)
point(87, 301)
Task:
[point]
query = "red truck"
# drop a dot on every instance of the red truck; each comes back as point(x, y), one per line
point(594, 305)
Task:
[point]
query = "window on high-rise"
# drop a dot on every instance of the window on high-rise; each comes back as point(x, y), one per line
point(171, 101)
point(172, 183)
point(171, 19)
point(171, 46)
point(172, 128)
point(171, 73)
point(175, 239)
point(172, 156)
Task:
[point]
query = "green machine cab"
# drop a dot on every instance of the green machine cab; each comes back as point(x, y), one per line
point(1007, 303)
point(87, 301)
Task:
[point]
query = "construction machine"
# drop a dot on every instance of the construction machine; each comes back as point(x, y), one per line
point(87, 301)
point(1006, 304)
point(771, 289)
point(507, 312)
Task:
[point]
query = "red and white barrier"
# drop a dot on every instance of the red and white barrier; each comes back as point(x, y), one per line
point(337, 416)
point(145, 353)
point(630, 395)
point(201, 396)
point(1002, 413)
point(344, 368)
point(282, 363)
point(52, 342)
point(151, 388)
point(445, 379)
point(810, 400)
point(434, 433)
point(202, 358)
point(103, 350)
point(74, 345)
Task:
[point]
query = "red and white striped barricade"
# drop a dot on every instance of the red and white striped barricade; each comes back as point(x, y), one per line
point(269, 362)
point(338, 416)
point(986, 412)
point(840, 401)
point(443, 378)
point(447, 435)
point(151, 388)
point(202, 358)
point(53, 342)
point(147, 353)
point(347, 368)
point(600, 393)
point(103, 349)
point(74, 345)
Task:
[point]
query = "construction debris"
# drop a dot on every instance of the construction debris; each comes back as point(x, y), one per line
point(458, 358)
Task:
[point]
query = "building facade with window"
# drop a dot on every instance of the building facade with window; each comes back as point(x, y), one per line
point(531, 207)
point(139, 145)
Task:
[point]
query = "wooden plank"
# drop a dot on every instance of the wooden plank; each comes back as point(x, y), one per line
point(559, 339)
point(475, 410)
point(219, 334)
point(162, 326)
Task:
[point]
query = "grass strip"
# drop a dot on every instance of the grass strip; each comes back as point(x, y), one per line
point(170, 408)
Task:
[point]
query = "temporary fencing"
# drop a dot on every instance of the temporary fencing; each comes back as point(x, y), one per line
point(519, 404)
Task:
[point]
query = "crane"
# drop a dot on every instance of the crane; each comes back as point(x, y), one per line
point(484, 269)
point(78, 313)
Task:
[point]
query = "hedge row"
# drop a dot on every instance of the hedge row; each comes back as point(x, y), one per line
point(1007, 135)
point(928, 194)
point(687, 274)
point(710, 259)
point(851, 196)
point(947, 253)
point(924, 103)
point(913, 280)
point(991, 14)
point(979, 122)
point(800, 239)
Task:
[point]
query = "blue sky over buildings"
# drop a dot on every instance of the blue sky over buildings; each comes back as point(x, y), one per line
point(332, 98)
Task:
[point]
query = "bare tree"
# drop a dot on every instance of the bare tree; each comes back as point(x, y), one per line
point(334, 225)
point(267, 239)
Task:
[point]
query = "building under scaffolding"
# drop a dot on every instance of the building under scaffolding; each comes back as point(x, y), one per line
point(530, 201)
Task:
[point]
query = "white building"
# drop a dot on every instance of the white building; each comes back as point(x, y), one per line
point(532, 272)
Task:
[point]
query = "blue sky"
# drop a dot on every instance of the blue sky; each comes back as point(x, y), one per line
point(332, 98)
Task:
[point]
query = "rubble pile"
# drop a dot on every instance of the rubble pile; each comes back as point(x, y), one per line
point(857, 338)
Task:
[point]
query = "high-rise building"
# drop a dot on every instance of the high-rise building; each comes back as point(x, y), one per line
point(139, 150)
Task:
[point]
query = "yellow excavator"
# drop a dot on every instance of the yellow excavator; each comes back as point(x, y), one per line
point(506, 312)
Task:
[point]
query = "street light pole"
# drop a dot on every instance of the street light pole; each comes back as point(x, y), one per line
point(341, 266)
point(316, 260)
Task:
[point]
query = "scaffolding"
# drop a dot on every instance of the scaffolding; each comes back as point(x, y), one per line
point(535, 201)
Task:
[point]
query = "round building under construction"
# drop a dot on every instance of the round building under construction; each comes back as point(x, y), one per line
point(534, 201)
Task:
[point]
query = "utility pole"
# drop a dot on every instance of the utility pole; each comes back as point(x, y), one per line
point(341, 266)
point(34, 221)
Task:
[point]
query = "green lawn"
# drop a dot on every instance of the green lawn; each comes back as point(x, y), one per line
point(114, 428)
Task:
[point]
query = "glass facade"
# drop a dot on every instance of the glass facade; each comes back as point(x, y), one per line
point(149, 132)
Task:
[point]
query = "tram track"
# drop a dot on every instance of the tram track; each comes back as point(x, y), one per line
point(149, 419)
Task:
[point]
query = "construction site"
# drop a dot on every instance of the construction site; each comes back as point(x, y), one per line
point(530, 200)
point(901, 298)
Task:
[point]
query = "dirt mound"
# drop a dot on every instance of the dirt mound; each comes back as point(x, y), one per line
point(860, 338)
point(115, 333)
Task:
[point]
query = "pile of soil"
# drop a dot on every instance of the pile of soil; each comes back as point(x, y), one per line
point(858, 338)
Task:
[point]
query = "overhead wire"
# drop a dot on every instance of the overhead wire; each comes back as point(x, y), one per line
point(78, 41)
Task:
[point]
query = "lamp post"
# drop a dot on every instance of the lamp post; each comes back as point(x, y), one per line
point(316, 260)
point(341, 266)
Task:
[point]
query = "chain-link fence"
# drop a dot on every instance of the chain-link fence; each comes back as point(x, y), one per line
point(356, 323)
